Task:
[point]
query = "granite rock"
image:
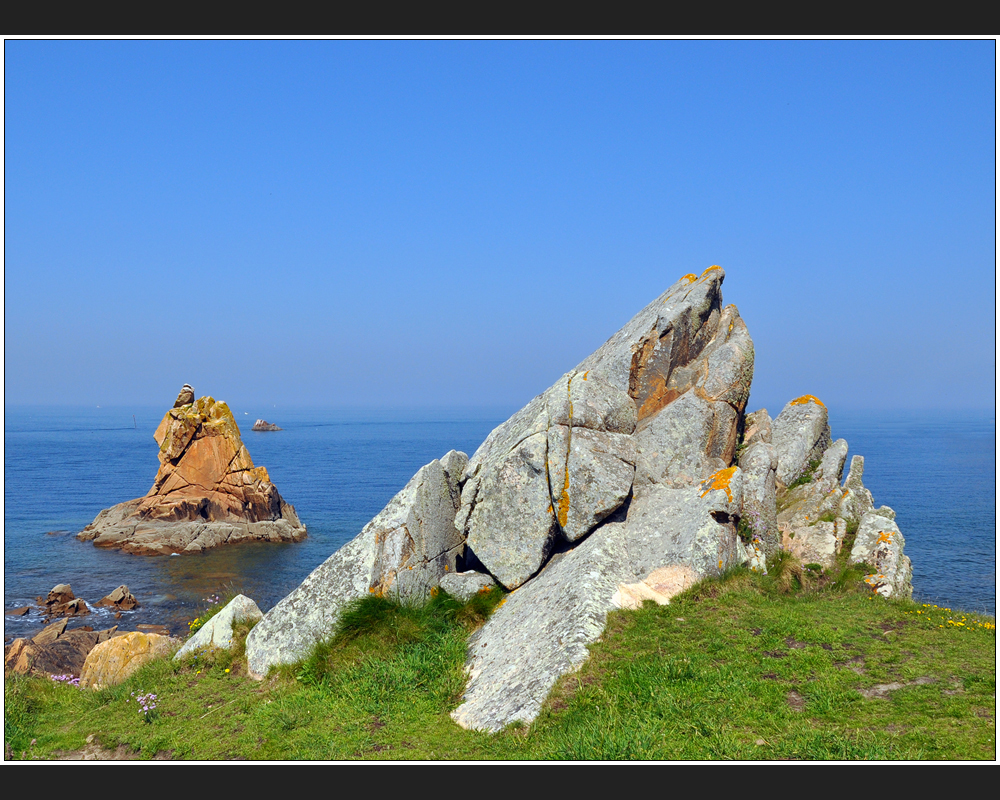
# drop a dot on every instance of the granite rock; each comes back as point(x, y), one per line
point(207, 491)
point(403, 552)
point(218, 631)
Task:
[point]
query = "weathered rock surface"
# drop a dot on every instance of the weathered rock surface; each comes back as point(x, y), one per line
point(463, 586)
point(61, 602)
point(759, 463)
point(617, 485)
point(54, 651)
point(264, 425)
point(114, 660)
point(206, 493)
point(404, 551)
point(218, 631)
point(800, 434)
point(121, 598)
point(817, 516)
point(880, 544)
point(541, 632)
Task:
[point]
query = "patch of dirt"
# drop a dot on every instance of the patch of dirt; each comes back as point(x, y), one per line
point(93, 751)
point(794, 644)
point(796, 702)
point(756, 631)
point(375, 724)
point(774, 654)
point(769, 676)
point(883, 689)
point(826, 646)
point(855, 664)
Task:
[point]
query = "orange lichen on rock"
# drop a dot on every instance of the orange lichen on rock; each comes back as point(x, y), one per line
point(806, 398)
point(885, 537)
point(710, 269)
point(690, 277)
point(720, 480)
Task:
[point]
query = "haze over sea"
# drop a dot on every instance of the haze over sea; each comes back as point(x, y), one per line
point(340, 467)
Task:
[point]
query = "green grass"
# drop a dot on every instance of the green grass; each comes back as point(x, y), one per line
point(743, 667)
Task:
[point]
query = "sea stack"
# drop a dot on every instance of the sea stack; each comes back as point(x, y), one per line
point(206, 493)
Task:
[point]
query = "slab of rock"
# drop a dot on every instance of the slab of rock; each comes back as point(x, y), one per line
point(541, 632)
point(206, 493)
point(112, 661)
point(218, 631)
point(879, 543)
point(800, 434)
point(463, 586)
point(121, 599)
point(404, 552)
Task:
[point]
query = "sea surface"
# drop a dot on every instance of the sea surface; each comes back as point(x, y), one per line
point(339, 468)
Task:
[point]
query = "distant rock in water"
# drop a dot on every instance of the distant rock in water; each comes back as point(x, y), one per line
point(207, 491)
point(264, 425)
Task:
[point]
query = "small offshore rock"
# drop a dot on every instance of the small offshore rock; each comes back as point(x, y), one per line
point(121, 599)
point(264, 425)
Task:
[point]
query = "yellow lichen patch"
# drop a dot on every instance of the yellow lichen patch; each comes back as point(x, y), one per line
point(585, 374)
point(713, 267)
point(564, 500)
point(806, 398)
point(885, 537)
point(690, 277)
point(720, 480)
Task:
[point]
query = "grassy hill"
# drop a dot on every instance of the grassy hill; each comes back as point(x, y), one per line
point(798, 665)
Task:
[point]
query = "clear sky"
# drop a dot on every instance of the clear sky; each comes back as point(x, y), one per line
point(439, 223)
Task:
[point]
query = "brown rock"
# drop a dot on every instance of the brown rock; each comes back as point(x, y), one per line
point(59, 594)
point(207, 491)
point(114, 660)
point(55, 651)
point(121, 598)
point(17, 612)
point(185, 397)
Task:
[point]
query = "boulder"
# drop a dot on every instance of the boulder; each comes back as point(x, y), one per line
point(121, 599)
point(54, 651)
point(114, 660)
point(206, 493)
point(61, 602)
point(218, 631)
point(800, 434)
point(758, 513)
point(403, 552)
point(264, 425)
point(879, 544)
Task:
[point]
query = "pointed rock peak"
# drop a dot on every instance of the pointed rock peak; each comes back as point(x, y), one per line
point(185, 397)
point(806, 398)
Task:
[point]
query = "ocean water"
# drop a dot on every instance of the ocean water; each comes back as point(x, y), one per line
point(339, 468)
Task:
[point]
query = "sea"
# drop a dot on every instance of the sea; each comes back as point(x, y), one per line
point(340, 467)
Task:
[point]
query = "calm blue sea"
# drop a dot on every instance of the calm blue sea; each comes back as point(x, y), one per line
point(339, 468)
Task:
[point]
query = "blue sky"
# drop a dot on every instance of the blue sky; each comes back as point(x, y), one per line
point(414, 224)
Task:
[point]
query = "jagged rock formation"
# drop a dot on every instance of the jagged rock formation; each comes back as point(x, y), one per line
point(54, 651)
point(61, 602)
point(264, 425)
point(121, 599)
point(207, 491)
point(625, 481)
point(816, 514)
